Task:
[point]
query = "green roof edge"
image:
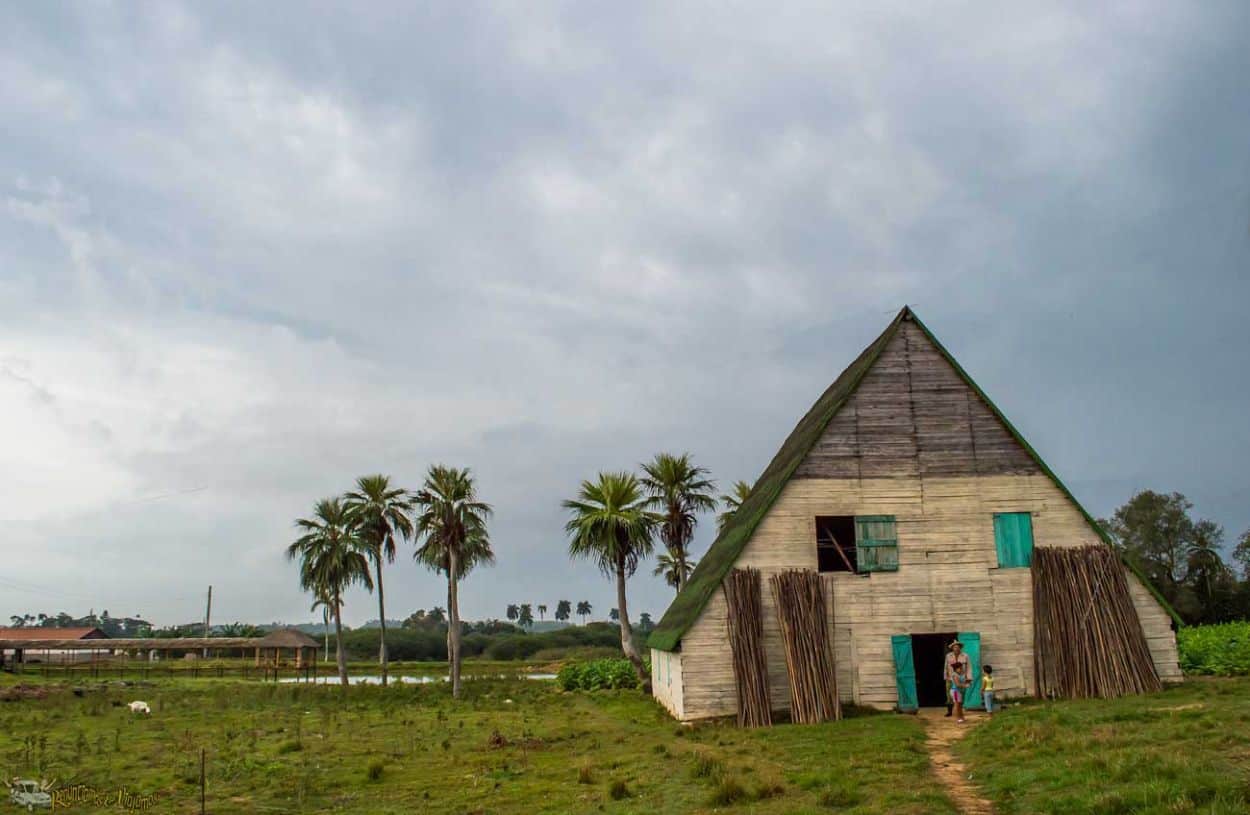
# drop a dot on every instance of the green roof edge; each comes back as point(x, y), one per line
point(1102, 533)
point(724, 551)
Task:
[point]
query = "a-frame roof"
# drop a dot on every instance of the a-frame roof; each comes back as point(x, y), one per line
point(729, 544)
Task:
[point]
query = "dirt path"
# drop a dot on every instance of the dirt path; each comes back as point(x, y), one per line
point(942, 733)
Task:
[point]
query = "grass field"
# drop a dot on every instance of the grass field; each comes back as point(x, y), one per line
point(1184, 750)
point(522, 746)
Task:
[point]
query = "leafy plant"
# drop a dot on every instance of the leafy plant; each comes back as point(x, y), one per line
point(599, 674)
point(1215, 650)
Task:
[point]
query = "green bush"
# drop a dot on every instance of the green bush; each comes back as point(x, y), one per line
point(601, 674)
point(1215, 650)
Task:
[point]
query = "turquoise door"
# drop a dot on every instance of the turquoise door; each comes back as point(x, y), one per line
point(904, 671)
point(972, 647)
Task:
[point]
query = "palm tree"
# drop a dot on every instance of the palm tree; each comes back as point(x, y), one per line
point(453, 524)
point(612, 527)
point(678, 491)
point(614, 616)
point(1203, 562)
point(584, 610)
point(323, 602)
point(542, 612)
point(332, 558)
point(675, 572)
point(562, 610)
point(513, 611)
point(731, 502)
point(526, 617)
point(380, 512)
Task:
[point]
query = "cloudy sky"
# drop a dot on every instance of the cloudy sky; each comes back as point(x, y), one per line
point(249, 252)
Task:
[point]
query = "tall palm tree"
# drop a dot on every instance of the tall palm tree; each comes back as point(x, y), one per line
point(611, 526)
point(584, 609)
point(452, 522)
point(678, 491)
point(675, 572)
point(542, 612)
point(332, 558)
point(731, 501)
point(381, 513)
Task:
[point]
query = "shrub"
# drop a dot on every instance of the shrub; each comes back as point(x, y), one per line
point(375, 770)
point(1215, 650)
point(727, 792)
point(585, 775)
point(600, 674)
point(705, 766)
point(617, 790)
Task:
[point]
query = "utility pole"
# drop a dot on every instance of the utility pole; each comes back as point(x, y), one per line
point(208, 610)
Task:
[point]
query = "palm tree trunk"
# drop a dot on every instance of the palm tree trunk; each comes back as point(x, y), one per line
point(627, 633)
point(681, 569)
point(382, 660)
point(340, 654)
point(453, 629)
point(325, 620)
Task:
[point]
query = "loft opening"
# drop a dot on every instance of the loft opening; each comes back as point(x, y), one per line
point(856, 544)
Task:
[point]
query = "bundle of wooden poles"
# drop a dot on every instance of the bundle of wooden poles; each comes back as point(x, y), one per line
point(800, 600)
point(1088, 640)
point(746, 643)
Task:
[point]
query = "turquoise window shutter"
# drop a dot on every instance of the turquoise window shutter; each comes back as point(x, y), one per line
point(876, 543)
point(1013, 538)
point(972, 647)
point(904, 671)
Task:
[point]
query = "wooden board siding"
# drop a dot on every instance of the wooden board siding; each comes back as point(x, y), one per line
point(948, 580)
point(914, 414)
point(666, 680)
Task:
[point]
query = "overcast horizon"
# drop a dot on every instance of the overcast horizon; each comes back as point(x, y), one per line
point(248, 253)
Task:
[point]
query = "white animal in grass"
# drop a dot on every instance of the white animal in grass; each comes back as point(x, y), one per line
point(140, 707)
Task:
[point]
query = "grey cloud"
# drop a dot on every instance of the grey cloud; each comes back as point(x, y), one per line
point(264, 249)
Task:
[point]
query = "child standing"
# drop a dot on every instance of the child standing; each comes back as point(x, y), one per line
point(987, 687)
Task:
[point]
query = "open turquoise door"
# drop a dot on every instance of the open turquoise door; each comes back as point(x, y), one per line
point(904, 671)
point(972, 647)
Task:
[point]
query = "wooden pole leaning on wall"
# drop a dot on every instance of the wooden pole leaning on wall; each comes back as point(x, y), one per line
point(745, 621)
point(1088, 639)
point(800, 600)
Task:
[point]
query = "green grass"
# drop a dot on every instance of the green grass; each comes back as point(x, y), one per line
point(509, 746)
point(1184, 750)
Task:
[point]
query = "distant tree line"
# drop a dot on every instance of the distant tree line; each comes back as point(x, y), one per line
point(1183, 557)
point(113, 626)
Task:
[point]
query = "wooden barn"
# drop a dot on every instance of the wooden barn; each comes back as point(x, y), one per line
point(922, 511)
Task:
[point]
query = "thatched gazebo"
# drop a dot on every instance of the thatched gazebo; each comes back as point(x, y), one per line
point(275, 642)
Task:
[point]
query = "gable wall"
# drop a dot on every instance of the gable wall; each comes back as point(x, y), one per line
point(914, 442)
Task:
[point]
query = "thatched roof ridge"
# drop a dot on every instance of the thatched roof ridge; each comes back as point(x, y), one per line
point(287, 638)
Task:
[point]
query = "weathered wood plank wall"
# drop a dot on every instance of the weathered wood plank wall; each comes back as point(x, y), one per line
point(915, 442)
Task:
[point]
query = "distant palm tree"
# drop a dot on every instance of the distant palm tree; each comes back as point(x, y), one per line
point(452, 522)
point(678, 491)
point(731, 501)
point(323, 602)
point(526, 617)
point(614, 616)
point(514, 611)
point(674, 572)
point(584, 610)
point(542, 612)
point(1203, 561)
point(332, 558)
point(563, 610)
point(381, 513)
point(612, 527)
